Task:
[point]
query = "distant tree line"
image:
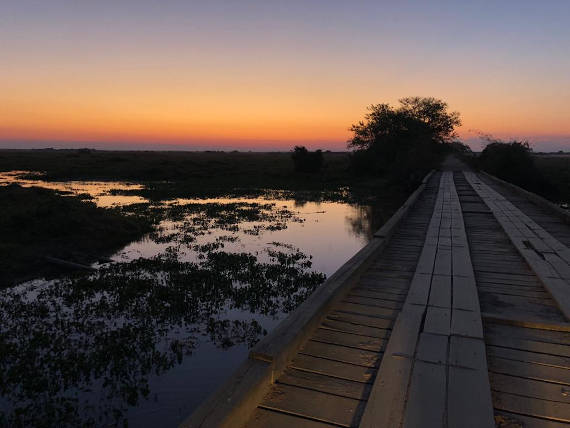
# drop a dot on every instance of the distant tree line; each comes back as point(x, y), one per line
point(404, 142)
point(306, 161)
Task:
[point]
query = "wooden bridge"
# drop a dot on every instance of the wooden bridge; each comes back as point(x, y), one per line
point(455, 315)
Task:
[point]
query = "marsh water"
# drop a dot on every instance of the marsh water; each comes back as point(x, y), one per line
point(165, 320)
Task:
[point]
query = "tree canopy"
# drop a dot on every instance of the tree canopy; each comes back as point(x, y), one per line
point(416, 117)
point(400, 137)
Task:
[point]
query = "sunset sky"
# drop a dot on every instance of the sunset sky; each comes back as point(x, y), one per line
point(270, 74)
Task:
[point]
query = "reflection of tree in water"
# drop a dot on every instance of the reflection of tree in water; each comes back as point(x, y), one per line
point(368, 219)
point(79, 351)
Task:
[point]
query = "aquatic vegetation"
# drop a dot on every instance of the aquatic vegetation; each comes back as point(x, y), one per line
point(212, 273)
point(79, 351)
point(182, 223)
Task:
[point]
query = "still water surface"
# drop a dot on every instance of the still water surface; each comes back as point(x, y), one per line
point(238, 276)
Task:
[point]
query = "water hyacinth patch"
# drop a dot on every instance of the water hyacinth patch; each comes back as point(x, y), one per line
point(80, 350)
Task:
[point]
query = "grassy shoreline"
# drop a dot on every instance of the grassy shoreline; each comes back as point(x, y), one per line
point(39, 223)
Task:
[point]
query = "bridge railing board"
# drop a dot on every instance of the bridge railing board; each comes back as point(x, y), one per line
point(234, 402)
point(563, 214)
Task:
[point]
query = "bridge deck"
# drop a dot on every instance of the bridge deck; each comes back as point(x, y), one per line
point(330, 379)
point(461, 320)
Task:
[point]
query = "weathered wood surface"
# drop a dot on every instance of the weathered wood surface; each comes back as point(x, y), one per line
point(548, 257)
point(526, 335)
point(334, 333)
point(434, 369)
point(453, 317)
point(356, 330)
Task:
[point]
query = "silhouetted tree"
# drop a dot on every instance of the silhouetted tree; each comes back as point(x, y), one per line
point(306, 161)
point(512, 161)
point(405, 140)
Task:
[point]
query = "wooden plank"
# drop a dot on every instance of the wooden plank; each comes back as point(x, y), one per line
point(362, 330)
point(545, 332)
point(348, 339)
point(521, 307)
point(405, 332)
point(529, 387)
point(387, 287)
point(369, 301)
point(419, 289)
point(507, 420)
point(373, 311)
point(386, 402)
point(468, 353)
point(440, 294)
point(442, 262)
point(328, 384)
point(529, 370)
point(532, 406)
point(432, 348)
point(263, 418)
point(341, 353)
point(528, 345)
point(466, 323)
point(469, 399)
point(529, 357)
point(427, 396)
point(313, 404)
point(465, 293)
point(361, 319)
point(398, 296)
point(511, 219)
point(537, 295)
point(333, 368)
point(438, 321)
point(462, 260)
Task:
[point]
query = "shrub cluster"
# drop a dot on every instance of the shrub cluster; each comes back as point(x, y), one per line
point(402, 142)
point(513, 161)
point(306, 161)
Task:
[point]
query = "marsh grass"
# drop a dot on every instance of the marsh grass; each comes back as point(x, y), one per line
point(36, 222)
point(82, 349)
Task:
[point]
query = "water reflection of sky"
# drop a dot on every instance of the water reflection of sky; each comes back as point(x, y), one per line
point(100, 191)
point(330, 232)
point(326, 233)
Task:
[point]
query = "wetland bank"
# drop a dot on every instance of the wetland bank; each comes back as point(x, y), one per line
point(193, 258)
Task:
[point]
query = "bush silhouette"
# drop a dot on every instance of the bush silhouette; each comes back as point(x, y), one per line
point(513, 161)
point(306, 161)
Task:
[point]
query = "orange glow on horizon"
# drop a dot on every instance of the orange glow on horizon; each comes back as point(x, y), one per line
point(266, 74)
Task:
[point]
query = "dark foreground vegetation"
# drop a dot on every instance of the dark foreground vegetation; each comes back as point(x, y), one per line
point(129, 321)
point(192, 174)
point(514, 161)
point(37, 225)
point(41, 223)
